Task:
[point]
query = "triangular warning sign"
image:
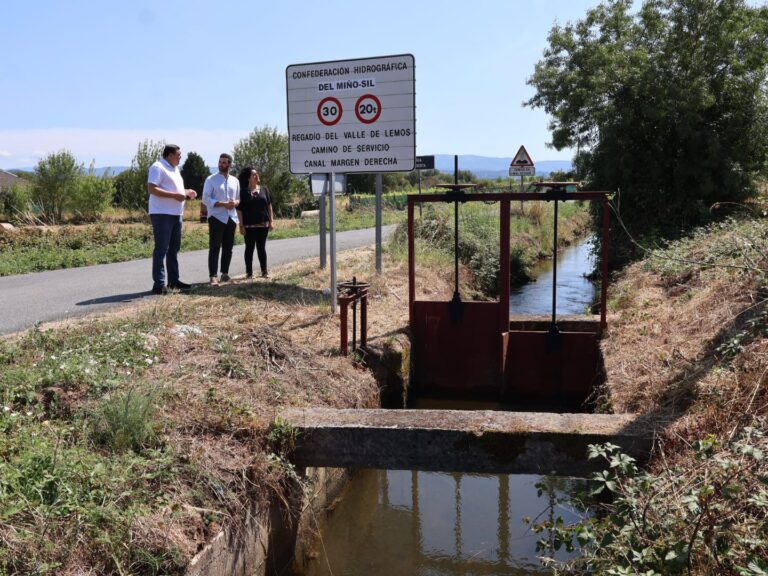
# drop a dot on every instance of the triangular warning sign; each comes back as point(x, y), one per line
point(522, 158)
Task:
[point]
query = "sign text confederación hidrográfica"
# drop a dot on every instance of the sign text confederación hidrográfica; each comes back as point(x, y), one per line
point(352, 115)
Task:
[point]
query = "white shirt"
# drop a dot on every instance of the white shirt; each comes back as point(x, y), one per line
point(219, 188)
point(167, 177)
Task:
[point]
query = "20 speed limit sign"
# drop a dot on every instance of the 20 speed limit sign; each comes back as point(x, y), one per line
point(329, 111)
point(368, 108)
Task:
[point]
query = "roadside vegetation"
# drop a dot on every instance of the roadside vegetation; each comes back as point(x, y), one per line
point(687, 350)
point(132, 439)
point(35, 249)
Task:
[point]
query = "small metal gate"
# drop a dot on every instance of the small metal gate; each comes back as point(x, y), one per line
point(473, 349)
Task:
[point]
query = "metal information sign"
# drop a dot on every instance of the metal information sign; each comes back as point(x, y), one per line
point(352, 115)
point(319, 184)
point(425, 162)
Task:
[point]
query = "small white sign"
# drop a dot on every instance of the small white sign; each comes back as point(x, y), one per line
point(522, 170)
point(319, 183)
point(352, 116)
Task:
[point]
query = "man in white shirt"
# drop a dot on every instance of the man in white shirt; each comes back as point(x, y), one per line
point(221, 196)
point(167, 196)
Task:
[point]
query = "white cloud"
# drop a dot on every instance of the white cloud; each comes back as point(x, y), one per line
point(110, 147)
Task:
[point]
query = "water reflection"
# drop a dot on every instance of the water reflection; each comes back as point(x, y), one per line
point(575, 293)
point(439, 524)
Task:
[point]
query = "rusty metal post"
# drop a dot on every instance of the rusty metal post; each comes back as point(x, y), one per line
point(604, 272)
point(411, 262)
point(364, 320)
point(343, 319)
point(504, 206)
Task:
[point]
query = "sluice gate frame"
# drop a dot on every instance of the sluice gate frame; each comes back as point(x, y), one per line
point(475, 349)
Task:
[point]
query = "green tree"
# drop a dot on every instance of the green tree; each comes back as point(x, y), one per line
point(266, 149)
point(57, 177)
point(666, 105)
point(131, 185)
point(194, 172)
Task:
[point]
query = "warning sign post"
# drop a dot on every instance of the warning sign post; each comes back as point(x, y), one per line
point(352, 115)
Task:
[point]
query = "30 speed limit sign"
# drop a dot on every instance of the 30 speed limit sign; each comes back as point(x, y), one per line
point(329, 111)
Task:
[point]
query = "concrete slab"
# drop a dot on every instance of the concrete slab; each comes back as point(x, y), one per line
point(462, 441)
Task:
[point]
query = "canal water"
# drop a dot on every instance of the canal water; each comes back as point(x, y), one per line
point(575, 292)
point(393, 522)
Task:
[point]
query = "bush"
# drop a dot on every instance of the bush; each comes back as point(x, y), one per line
point(92, 197)
point(16, 202)
point(131, 185)
point(57, 178)
point(707, 519)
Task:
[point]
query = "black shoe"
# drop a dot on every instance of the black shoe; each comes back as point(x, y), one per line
point(159, 290)
point(179, 285)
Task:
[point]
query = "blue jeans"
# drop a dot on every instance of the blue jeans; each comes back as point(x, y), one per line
point(167, 232)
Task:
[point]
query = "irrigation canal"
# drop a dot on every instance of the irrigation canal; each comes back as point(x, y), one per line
point(435, 523)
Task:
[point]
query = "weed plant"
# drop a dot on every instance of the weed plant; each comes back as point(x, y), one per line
point(80, 458)
point(709, 518)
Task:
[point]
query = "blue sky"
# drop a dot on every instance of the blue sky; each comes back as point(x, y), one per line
point(97, 78)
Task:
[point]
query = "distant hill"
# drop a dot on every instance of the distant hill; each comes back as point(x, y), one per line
point(480, 166)
point(113, 170)
point(489, 167)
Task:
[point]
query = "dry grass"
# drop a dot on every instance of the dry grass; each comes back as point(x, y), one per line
point(229, 358)
point(678, 345)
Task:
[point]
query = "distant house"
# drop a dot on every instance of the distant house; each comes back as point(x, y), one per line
point(7, 180)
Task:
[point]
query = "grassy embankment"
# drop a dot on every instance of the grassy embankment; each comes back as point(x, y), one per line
point(687, 349)
point(130, 439)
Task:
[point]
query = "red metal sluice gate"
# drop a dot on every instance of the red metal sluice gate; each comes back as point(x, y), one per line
point(474, 349)
point(351, 293)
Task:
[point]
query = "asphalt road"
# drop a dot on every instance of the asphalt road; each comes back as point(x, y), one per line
point(60, 294)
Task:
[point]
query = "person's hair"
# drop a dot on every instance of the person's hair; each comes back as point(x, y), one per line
point(170, 149)
point(227, 156)
point(244, 177)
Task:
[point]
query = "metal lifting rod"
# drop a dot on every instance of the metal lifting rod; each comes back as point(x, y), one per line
point(554, 276)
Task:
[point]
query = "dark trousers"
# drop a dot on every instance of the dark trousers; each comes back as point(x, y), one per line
point(220, 237)
point(167, 232)
point(256, 238)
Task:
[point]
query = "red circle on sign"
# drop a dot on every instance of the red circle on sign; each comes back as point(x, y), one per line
point(368, 104)
point(329, 111)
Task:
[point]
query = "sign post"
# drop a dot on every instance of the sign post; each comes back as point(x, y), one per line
point(351, 116)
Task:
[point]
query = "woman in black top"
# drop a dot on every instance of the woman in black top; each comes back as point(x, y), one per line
point(256, 218)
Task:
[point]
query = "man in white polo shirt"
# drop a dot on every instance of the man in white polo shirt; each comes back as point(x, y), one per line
point(167, 196)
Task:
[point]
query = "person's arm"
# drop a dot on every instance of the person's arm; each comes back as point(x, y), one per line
point(208, 194)
point(271, 215)
point(241, 225)
point(155, 190)
point(236, 197)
